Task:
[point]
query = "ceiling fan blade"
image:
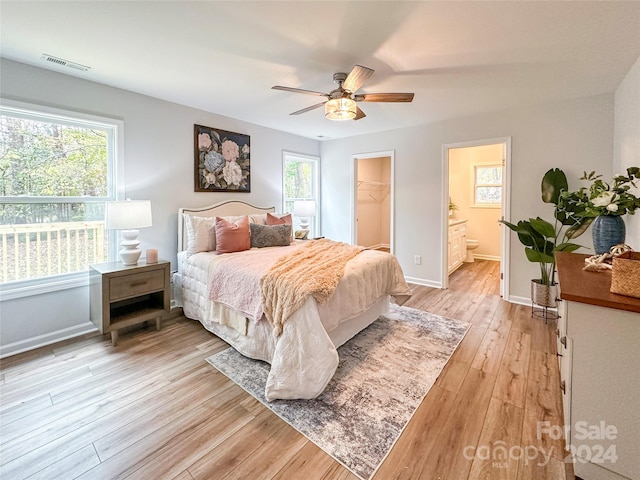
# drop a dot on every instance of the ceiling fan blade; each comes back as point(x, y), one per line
point(359, 114)
point(356, 78)
point(384, 97)
point(299, 90)
point(304, 110)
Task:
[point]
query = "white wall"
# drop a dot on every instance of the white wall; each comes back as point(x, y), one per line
point(159, 162)
point(626, 136)
point(575, 135)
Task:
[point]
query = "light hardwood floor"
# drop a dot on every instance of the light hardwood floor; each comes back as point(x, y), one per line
point(152, 408)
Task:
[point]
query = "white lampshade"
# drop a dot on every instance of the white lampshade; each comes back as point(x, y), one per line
point(304, 208)
point(340, 109)
point(128, 216)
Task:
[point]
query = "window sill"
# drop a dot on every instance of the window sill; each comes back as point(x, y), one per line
point(39, 286)
point(489, 205)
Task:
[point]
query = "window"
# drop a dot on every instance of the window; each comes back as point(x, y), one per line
point(487, 185)
point(57, 170)
point(301, 179)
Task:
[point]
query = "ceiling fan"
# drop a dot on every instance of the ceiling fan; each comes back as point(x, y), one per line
point(340, 104)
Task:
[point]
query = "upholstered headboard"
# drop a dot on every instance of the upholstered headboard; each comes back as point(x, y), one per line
point(222, 209)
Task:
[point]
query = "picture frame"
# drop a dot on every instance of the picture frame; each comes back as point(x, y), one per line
point(222, 160)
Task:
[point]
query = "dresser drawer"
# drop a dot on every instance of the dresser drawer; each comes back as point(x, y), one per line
point(128, 286)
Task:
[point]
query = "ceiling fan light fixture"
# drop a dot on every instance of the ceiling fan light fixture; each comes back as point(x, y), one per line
point(340, 109)
point(340, 103)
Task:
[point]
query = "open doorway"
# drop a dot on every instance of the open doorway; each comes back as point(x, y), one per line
point(476, 189)
point(373, 200)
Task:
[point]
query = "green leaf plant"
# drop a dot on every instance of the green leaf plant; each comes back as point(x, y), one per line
point(543, 239)
point(614, 198)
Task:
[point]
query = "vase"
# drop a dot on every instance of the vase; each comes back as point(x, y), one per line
point(608, 230)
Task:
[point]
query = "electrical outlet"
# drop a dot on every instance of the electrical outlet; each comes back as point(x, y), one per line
point(417, 259)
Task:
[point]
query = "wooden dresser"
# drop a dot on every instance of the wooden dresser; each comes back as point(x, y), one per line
point(599, 355)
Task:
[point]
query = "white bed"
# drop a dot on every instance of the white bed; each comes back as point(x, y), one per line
point(303, 358)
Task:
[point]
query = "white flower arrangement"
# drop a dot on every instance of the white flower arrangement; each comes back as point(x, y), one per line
point(615, 198)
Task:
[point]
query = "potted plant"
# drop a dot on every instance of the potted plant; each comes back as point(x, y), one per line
point(452, 207)
point(543, 239)
point(607, 202)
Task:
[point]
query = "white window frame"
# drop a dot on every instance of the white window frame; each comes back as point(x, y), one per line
point(314, 231)
point(115, 185)
point(474, 187)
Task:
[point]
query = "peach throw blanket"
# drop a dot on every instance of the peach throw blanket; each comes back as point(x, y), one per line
point(313, 270)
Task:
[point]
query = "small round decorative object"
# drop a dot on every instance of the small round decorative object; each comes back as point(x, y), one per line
point(152, 255)
point(620, 249)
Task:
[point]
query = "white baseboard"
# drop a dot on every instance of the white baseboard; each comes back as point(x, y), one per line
point(422, 281)
point(519, 300)
point(481, 256)
point(526, 301)
point(46, 339)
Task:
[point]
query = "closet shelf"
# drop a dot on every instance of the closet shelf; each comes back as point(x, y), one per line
point(375, 186)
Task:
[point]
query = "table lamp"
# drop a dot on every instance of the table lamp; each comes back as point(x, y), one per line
point(128, 216)
point(304, 209)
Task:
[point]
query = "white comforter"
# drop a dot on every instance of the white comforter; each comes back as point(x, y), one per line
point(304, 358)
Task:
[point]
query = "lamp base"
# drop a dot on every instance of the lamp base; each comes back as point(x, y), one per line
point(304, 223)
point(129, 251)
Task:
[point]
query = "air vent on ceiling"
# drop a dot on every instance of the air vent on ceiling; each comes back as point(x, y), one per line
point(64, 63)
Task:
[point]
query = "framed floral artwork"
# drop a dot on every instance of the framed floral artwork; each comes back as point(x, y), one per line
point(222, 160)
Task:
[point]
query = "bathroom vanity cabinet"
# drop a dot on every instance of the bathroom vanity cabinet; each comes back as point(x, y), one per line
point(457, 244)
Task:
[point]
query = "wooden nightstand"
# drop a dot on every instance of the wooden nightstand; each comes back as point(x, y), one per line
point(124, 295)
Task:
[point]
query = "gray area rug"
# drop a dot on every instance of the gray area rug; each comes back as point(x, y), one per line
point(384, 373)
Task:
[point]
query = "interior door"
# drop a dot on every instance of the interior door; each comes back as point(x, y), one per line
point(459, 161)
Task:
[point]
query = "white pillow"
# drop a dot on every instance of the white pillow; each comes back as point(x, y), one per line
point(200, 236)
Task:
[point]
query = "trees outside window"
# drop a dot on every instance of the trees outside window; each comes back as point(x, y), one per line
point(56, 173)
point(301, 182)
point(488, 185)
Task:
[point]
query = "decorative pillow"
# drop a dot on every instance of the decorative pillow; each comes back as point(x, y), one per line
point(201, 232)
point(232, 236)
point(270, 235)
point(284, 219)
point(200, 237)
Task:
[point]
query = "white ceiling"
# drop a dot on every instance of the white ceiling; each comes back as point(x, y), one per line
point(460, 58)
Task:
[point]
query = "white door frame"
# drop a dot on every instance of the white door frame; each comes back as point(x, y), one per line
point(505, 238)
point(354, 194)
